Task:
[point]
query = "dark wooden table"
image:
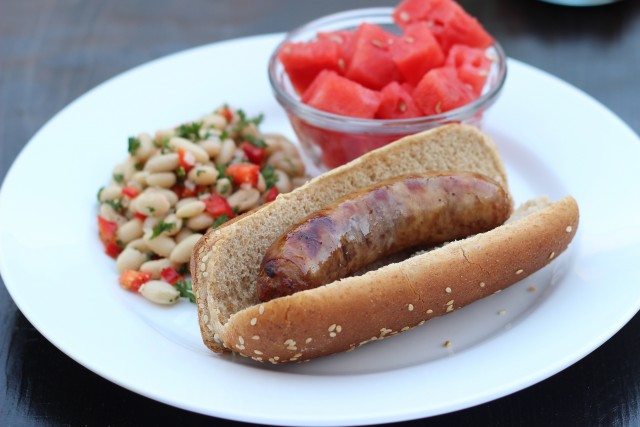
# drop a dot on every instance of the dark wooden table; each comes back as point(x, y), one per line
point(52, 51)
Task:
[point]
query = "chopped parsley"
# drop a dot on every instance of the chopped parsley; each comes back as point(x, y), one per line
point(256, 142)
point(161, 227)
point(181, 172)
point(115, 204)
point(270, 176)
point(134, 145)
point(245, 121)
point(118, 177)
point(186, 290)
point(190, 131)
point(220, 220)
point(224, 135)
point(100, 193)
point(200, 171)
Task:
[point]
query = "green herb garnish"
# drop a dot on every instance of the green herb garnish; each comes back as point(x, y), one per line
point(100, 193)
point(115, 204)
point(134, 145)
point(118, 177)
point(185, 289)
point(160, 228)
point(255, 141)
point(190, 131)
point(181, 172)
point(270, 176)
point(220, 220)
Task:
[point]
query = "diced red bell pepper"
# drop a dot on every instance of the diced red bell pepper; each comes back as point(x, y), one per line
point(133, 279)
point(216, 205)
point(107, 232)
point(131, 191)
point(242, 173)
point(227, 114)
point(171, 275)
point(271, 194)
point(254, 154)
point(186, 159)
point(140, 216)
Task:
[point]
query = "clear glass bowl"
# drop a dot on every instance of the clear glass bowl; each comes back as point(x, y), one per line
point(331, 140)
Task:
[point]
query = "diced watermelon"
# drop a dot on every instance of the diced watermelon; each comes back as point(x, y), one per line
point(442, 90)
point(397, 103)
point(448, 21)
point(416, 52)
point(303, 61)
point(335, 94)
point(344, 39)
point(371, 64)
point(472, 64)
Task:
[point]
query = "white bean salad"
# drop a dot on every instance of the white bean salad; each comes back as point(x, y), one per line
point(178, 184)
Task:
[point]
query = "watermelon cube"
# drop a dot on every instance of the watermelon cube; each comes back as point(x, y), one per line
point(338, 95)
point(397, 103)
point(344, 40)
point(416, 52)
point(303, 61)
point(448, 21)
point(371, 64)
point(442, 90)
point(472, 65)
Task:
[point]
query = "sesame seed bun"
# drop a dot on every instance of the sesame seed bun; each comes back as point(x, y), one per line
point(382, 302)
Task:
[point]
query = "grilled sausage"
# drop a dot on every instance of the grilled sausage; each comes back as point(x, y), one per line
point(405, 212)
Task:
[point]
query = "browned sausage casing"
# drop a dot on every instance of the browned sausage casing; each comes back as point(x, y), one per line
point(394, 215)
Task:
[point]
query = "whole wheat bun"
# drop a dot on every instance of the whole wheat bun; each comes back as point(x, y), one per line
point(380, 303)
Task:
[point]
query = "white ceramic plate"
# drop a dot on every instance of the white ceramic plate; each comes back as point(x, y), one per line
point(554, 139)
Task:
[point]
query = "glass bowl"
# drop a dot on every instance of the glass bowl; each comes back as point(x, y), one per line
point(331, 140)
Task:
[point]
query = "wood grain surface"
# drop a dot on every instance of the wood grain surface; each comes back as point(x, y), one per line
point(52, 51)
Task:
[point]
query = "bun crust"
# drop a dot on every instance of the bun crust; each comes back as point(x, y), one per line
point(345, 314)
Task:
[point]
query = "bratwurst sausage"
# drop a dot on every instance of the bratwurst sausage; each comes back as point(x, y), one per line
point(356, 230)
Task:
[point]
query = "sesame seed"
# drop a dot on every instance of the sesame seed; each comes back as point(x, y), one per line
point(482, 284)
point(261, 309)
point(253, 321)
point(551, 255)
point(257, 352)
point(240, 346)
point(447, 290)
point(449, 308)
point(255, 337)
point(332, 327)
point(498, 291)
point(308, 340)
point(217, 232)
point(569, 228)
point(203, 266)
point(450, 302)
point(257, 359)
point(406, 328)
point(338, 328)
point(241, 340)
point(410, 307)
point(502, 312)
point(532, 288)
point(429, 311)
point(421, 322)
point(205, 258)
point(519, 271)
point(332, 334)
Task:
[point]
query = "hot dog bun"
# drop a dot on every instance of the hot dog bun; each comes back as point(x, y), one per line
point(344, 314)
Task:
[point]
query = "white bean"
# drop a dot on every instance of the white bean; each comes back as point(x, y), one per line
point(211, 146)
point(145, 149)
point(283, 184)
point(130, 259)
point(244, 199)
point(156, 266)
point(162, 163)
point(160, 292)
point(130, 169)
point(199, 153)
point(129, 231)
point(226, 153)
point(262, 184)
point(141, 177)
point(107, 212)
point(177, 225)
point(203, 175)
point(183, 234)
point(182, 252)
point(191, 209)
point(200, 222)
point(138, 244)
point(214, 120)
point(162, 179)
point(152, 204)
point(223, 186)
point(110, 192)
point(293, 166)
point(161, 245)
